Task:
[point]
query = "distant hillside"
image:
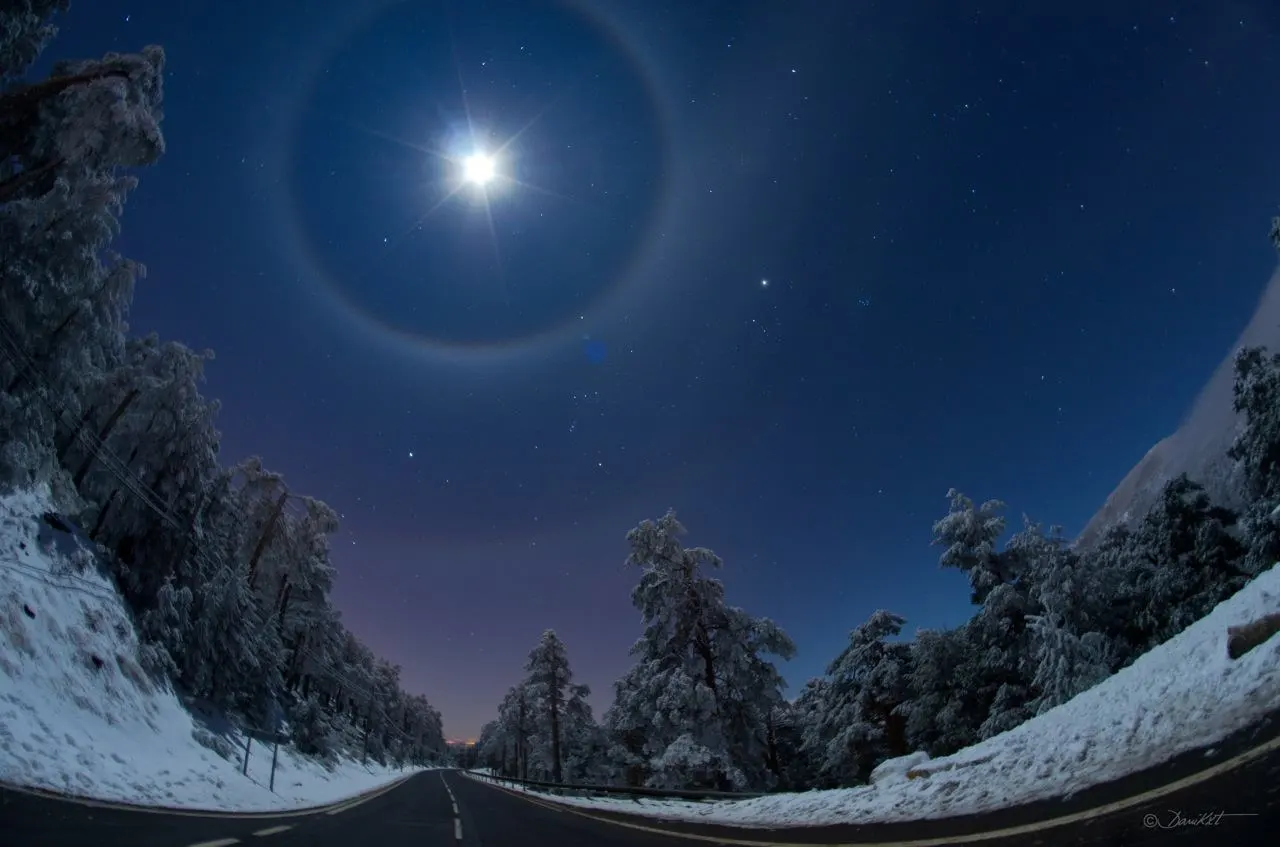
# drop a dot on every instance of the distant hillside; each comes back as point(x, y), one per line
point(1198, 447)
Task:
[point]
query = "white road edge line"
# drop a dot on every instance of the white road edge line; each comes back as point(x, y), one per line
point(352, 802)
point(221, 842)
point(457, 828)
point(272, 830)
point(211, 814)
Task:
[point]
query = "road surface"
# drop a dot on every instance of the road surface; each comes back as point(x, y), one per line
point(449, 809)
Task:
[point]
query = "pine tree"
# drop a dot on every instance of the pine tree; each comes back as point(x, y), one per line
point(1188, 561)
point(1257, 451)
point(857, 723)
point(1070, 651)
point(26, 26)
point(969, 536)
point(1066, 662)
point(941, 709)
point(549, 680)
point(585, 744)
point(63, 143)
point(701, 682)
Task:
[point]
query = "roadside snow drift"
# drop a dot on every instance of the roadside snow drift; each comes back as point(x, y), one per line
point(1183, 695)
point(79, 715)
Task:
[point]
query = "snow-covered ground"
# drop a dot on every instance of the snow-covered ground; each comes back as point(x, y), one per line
point(78, 715)
point(1181, 696)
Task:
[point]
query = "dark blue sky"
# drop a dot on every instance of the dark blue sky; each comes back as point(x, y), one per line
point(1004, 249)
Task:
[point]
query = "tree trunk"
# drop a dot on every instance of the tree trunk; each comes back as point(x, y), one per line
point(188, 538)
point(555, 726)
point(522, 751)
point(703, 645)
point(895, 730)
point(771, 742)
point(21, 106)
point(12, 187)
point(265, 537)
point(104, 433)
point(101, 522)
point(96, 532)
point(282, 603)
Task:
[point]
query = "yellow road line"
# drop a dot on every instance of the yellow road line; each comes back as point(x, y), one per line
point(1007, 832)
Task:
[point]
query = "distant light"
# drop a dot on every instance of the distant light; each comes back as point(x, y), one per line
point(764, 283)
point(478, 168)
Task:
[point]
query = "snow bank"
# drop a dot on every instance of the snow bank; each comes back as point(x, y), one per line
point(1183, 695)
point(895, 770)
point(78, 715)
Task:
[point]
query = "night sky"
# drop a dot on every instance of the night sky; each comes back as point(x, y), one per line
point(792, 268)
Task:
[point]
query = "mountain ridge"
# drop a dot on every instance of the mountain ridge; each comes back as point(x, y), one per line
point(1198, 447)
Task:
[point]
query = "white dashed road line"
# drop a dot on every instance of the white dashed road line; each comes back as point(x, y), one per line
point(457, 819)
point(273, 830)
point(225, 842)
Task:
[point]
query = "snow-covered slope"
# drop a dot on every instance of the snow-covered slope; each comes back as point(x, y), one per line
point(1183, 695)
point(1199, 446)
point(78, 715)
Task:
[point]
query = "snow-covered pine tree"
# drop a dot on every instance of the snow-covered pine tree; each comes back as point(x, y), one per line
point(1257, 450)
point(585, 744)
point(1070, 651)
point(998, 667)
point(1066, 650)
point(549, 680)
point(942, 711)
point(627, 722)
point(516, 718)
point(701, 675)
point(997, 662)
point(489, 747)
point(25, 28)
point(1188, 561)
point(968, 535)
point(794, 725)
point(63, 143)
point(1066, 662)
point(857, 724)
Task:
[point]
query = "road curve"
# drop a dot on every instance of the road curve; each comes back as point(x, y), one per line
point(1238, 807)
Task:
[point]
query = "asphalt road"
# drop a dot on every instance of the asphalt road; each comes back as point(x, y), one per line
point(1238, 808)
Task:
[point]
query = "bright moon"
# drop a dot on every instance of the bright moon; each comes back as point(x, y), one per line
point(478, 168)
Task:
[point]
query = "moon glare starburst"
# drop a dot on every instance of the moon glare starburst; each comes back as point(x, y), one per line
point(479, 168)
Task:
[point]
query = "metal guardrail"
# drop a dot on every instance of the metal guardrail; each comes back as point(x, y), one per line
point(635, 792)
